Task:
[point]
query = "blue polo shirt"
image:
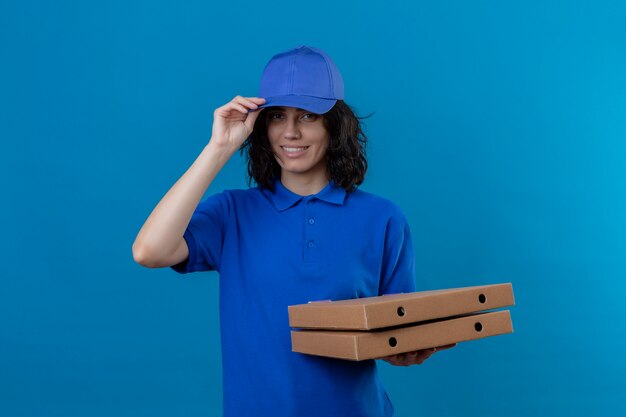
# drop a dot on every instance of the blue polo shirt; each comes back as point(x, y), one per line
point(275, 249)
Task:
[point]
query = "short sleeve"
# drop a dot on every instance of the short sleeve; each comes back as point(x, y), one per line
point(205, 235)
point(398, 269)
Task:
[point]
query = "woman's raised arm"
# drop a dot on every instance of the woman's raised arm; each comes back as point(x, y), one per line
point(160, 242)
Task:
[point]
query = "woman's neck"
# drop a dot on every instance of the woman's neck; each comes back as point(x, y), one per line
point(304, 184)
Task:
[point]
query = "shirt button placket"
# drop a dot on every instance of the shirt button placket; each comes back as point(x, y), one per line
point(310, 222)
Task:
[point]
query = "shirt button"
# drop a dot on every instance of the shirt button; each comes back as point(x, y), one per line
point(311, 244)
point(311, 220)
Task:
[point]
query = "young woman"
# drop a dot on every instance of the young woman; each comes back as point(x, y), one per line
point(304, 233)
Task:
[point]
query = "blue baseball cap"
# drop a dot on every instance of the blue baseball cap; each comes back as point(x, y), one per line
point(302, 77)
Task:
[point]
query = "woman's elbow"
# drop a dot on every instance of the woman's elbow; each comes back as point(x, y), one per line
point(142, 255)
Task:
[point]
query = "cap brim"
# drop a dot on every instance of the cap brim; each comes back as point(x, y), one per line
point(309, 103)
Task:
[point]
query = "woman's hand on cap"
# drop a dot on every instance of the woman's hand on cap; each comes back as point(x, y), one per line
point(233, 122)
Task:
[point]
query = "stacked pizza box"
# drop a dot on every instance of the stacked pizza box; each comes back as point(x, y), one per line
point(375, 327)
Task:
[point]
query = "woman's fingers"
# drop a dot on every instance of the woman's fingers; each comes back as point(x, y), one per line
point(229, 109)
point(401, 359)
point(255, 100)
point(444, 347)
point(235, 105)
point(251, 119)
point(393, 359)
point(239, 104)
point(422, 355)
point(415, 358)
point(234, 121)
point(250, 102)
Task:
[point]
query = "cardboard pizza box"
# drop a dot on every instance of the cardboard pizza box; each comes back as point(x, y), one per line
point(362, 345)
point(399, 309)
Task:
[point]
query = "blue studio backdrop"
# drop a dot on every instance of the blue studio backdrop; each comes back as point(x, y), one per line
point(499, 128)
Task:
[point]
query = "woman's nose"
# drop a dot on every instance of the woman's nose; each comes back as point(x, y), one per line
point(292, 130)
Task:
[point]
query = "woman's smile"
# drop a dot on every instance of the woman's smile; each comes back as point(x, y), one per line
point(293, 151)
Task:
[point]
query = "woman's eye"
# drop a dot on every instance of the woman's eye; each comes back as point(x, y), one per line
point(305, 116)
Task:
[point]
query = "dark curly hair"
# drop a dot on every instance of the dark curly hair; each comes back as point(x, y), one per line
point(346, 160)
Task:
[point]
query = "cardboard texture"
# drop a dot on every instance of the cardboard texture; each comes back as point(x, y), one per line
point(399, 309)
point(357, 346)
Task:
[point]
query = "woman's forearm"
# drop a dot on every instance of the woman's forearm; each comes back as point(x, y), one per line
point(163, 231)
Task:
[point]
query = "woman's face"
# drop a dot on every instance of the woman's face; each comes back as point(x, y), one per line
point(299, 140)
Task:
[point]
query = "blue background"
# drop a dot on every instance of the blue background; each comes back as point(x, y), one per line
point(499, 128)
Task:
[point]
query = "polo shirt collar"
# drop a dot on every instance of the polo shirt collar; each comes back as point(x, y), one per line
point(283, 198)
